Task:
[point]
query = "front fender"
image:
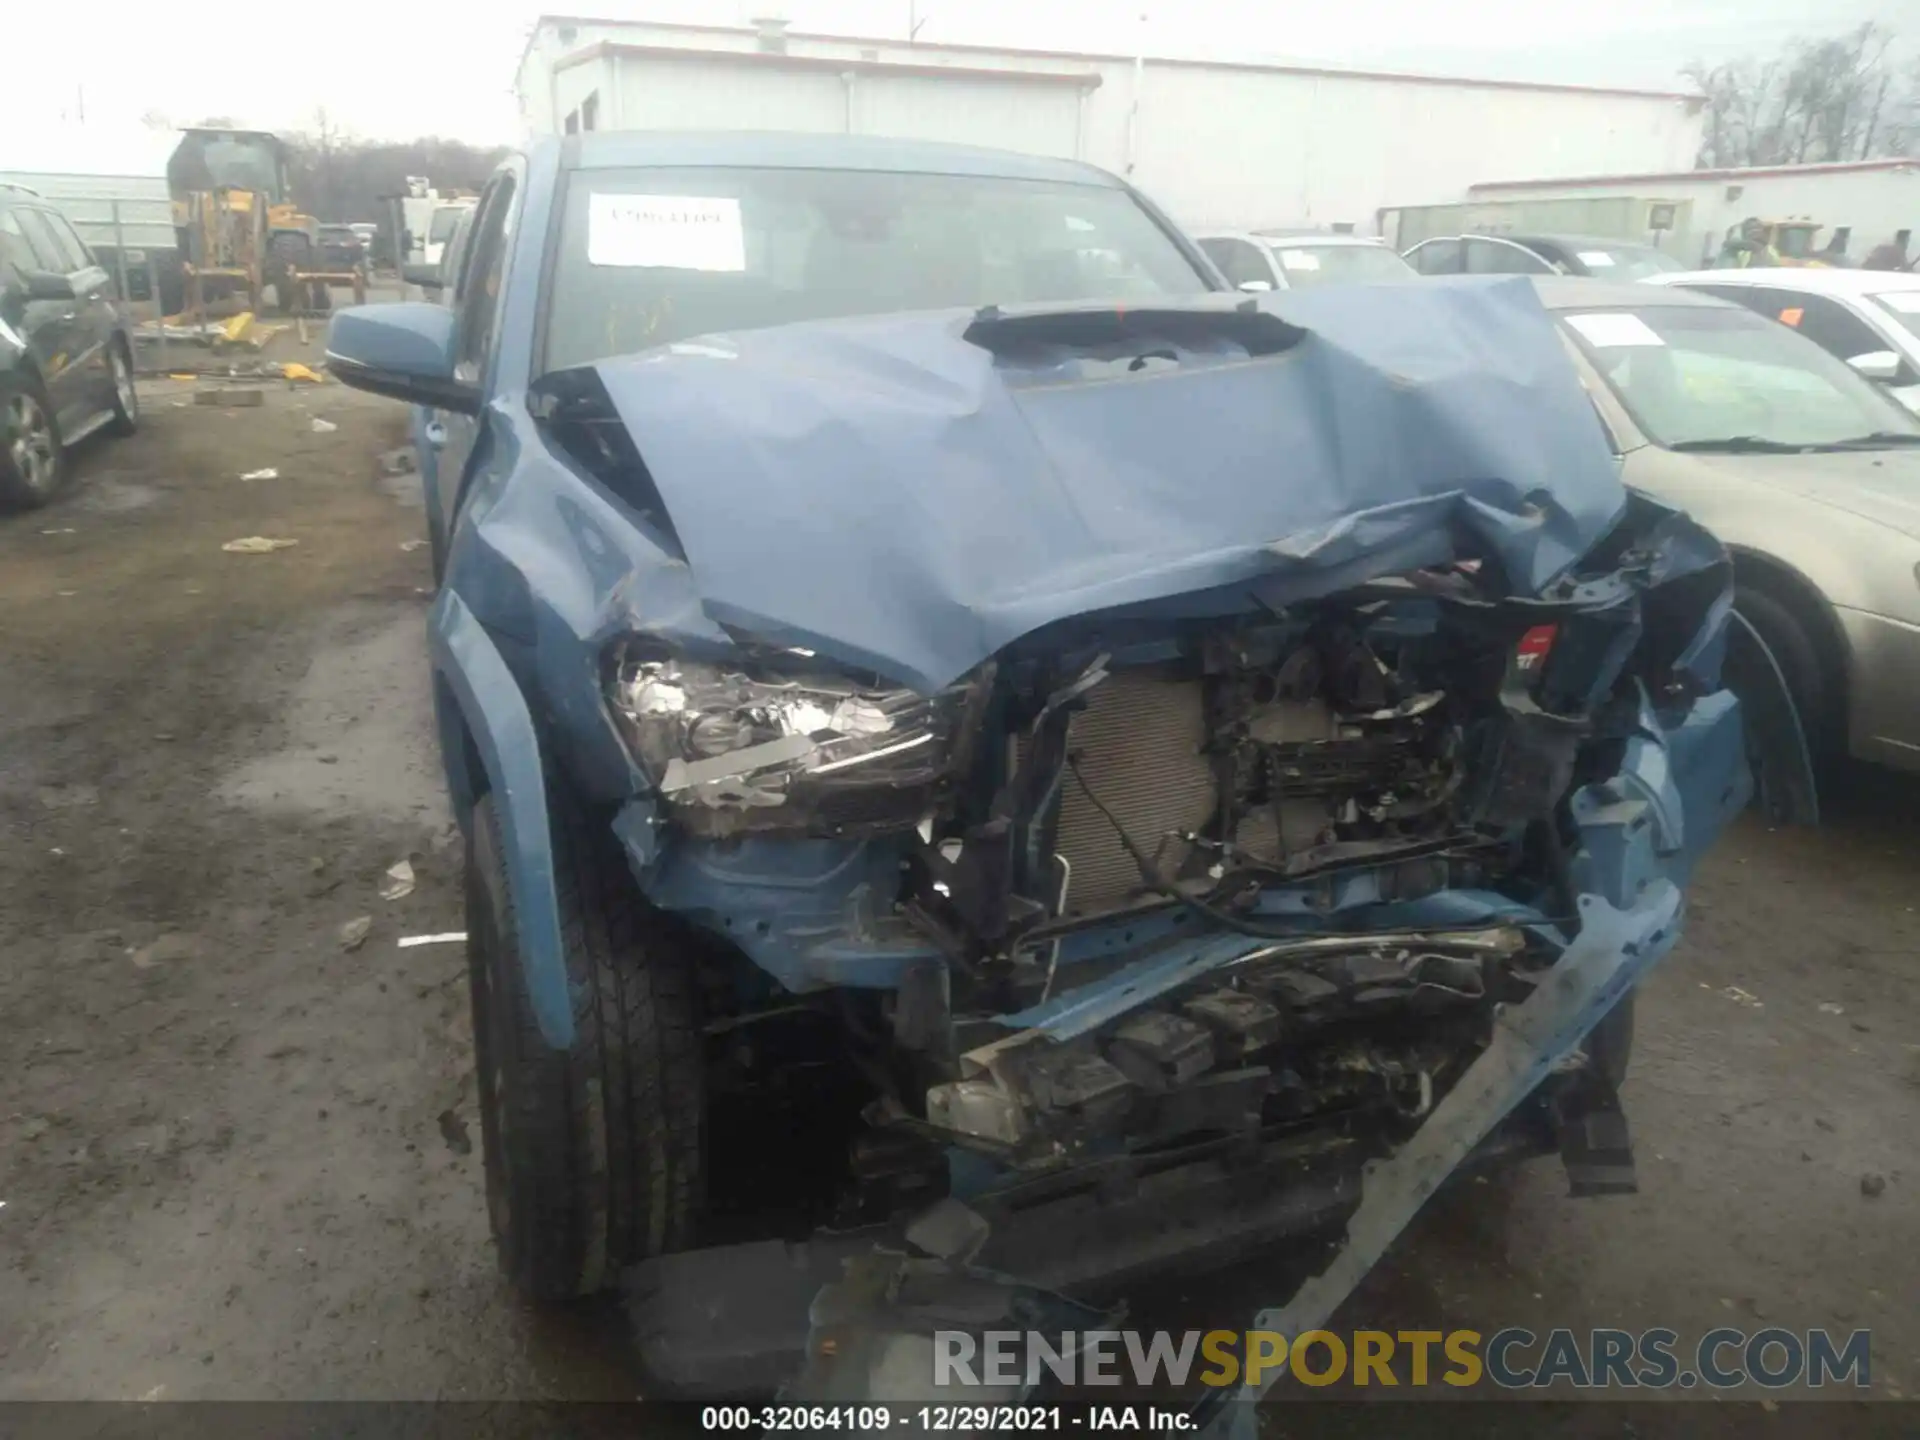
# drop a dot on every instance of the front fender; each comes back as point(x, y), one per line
point(471, 676)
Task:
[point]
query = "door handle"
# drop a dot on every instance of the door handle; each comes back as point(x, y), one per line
point(436, 435)
point(70, 315)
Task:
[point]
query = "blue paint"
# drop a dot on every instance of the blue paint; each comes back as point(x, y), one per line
point(812, 468)
point(496, 717)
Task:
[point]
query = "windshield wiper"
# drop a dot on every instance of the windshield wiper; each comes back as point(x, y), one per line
point(1877, 440)
point(1742, 445)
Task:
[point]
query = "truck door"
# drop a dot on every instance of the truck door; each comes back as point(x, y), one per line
point(451, 439)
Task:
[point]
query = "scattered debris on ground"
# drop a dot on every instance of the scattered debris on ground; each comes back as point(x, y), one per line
point(398, 883)
point(354, 933)
point(267, 474)
point(258, 545)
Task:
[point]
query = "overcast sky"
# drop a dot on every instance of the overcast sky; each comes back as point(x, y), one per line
point(397, 68)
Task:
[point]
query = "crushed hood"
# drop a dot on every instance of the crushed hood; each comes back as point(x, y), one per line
point(897, 494)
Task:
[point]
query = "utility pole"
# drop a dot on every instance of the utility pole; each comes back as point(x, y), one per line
point(914, 21)
point(1139, 79)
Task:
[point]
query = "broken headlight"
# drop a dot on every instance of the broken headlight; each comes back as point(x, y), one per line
point(735, 749)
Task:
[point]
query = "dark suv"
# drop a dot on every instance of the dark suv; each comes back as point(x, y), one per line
point(66, 355)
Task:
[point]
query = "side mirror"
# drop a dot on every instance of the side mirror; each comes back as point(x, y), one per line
point(427, 277)
point(46, 285)
point(403, 351)
point(1255, 287)
point(1882, 366)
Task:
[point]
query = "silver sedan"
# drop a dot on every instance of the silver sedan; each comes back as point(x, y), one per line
point(1810, 474)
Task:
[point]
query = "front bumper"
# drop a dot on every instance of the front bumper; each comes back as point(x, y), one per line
point(733, 1321)
point(742, 1320)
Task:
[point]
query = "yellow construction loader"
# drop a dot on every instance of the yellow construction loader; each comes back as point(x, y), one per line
point(240, 233)
point(1771, 242)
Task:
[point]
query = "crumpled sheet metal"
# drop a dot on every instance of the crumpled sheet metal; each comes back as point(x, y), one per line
point(1614, 949)
point(889, 493)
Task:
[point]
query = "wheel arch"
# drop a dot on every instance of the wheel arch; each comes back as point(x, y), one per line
point(1790, 588)
point(489, 745)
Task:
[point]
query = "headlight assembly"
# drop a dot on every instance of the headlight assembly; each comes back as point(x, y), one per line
point(734, 748)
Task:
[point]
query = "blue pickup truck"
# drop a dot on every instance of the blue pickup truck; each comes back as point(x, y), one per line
point(951, 706)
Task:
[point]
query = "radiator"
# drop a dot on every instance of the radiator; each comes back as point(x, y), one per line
point(1138, 743)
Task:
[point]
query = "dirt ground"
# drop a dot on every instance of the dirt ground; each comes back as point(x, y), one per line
point(239, 1161)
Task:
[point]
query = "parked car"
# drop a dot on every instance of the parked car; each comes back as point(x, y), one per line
point(66, 353)
point(1256, 260)
point(1868, 318)
point(939, 706)
point(1590, 255)
point(1808, 472)
point(341, 248)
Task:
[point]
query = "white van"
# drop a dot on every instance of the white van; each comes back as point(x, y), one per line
point(446, 215)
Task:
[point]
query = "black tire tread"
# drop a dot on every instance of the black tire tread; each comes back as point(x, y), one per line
point(123, 424)
point(611, 1133)
point(1816, 692)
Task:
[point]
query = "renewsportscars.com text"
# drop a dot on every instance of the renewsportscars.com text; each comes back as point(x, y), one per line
point(1513, 1358)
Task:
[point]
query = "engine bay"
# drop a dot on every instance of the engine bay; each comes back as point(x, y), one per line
point(1254, 782)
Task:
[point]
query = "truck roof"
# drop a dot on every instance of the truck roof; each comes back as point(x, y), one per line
point(783, 150)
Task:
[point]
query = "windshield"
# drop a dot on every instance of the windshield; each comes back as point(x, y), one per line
point(1625, 262)
point(1305, 265)
point(652, 256)
point(1694, 375)
point(227, 162)
point(1902, 307)
point(445, 219)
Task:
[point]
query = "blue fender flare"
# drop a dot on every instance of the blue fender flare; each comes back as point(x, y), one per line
point(470, 674)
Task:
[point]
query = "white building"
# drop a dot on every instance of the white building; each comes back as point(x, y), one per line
point(1219, 143)
point(1872, 199)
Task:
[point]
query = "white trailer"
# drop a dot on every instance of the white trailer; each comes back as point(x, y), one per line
point(1222, 144)
point(111, 184)
point(1871, 199)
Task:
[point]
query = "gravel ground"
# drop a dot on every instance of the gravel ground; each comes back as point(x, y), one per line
point(238, 1160)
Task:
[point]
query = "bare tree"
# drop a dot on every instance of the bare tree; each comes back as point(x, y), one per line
point(1840, 98)
point(340, 177)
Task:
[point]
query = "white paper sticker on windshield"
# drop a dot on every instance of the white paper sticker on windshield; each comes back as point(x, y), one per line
point(681, 232)
point(1595, 259)
point(1299, 260)
point(1608, 329)
point(1907, 302)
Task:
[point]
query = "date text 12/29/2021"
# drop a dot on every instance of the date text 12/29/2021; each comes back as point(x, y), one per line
point(877, 1418)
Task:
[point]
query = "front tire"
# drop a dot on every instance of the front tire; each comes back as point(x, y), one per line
point(593, 1154)
point(126, 399)
point(1815, 696)
point(33, 460)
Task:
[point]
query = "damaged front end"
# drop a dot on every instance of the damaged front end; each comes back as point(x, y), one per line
point(1135, 883)
point(1135, 770)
